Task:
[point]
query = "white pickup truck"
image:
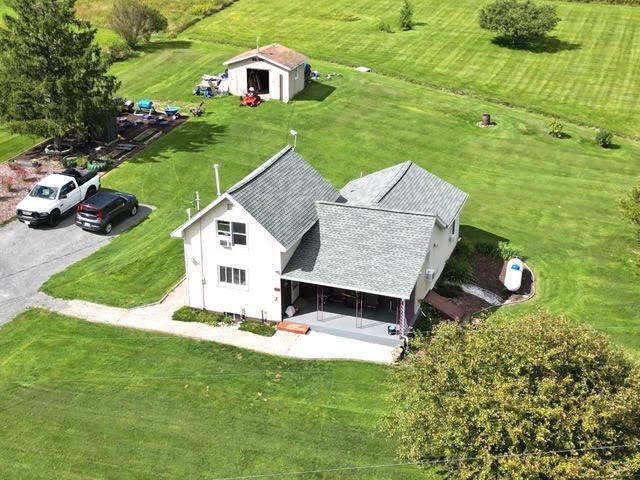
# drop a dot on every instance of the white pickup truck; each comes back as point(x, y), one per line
point(55, 195)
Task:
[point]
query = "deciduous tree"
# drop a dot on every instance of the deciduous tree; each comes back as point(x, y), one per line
point(516, 22)
point(135, 21)
point(542, 399)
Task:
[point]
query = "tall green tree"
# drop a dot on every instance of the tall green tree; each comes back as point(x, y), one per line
point(135, 21)
point(53, 78)
point(406, 16)
point(517, 22)
point(543, 399)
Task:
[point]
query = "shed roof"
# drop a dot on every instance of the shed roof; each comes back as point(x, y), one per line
point(409, 188)
point(281, 195)
point(360, 248)
point(274, 53)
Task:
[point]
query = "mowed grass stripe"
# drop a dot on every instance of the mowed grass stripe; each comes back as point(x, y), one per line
point(448, 48)
point(176, 425)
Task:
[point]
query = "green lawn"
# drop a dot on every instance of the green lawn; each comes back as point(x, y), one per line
point(11, 145)
point(555, 199)
point(589, 72)
point(91, 401)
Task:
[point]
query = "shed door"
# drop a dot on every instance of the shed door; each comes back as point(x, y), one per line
point(280, 81)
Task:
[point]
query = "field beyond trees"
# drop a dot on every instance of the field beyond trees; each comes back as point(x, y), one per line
point(587, 70)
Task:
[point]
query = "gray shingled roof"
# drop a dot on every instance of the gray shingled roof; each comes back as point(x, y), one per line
point(281, 195)
point(409, 188)
point(361, 248)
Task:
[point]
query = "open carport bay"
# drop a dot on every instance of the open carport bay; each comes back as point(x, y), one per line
point(29, 256)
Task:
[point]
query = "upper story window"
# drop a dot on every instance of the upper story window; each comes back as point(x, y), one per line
point(231, 233)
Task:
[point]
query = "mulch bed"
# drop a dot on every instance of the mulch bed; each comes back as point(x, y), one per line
point(21, 174)
point(489, 274)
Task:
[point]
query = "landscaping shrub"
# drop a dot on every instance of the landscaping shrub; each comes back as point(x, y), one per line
point(556, 128)
point(449, 290)
point(518, 23)
point(384, 27)
point(503, 250)
point(506, 251)
point(604, 138)
point(258, 327)
point(190, 314)
point(406, 16)
point(458, 268)
point(427, 319)
point(118, 51)
point(7, 183)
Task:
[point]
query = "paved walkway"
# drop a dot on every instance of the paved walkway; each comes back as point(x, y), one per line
point(157, 318)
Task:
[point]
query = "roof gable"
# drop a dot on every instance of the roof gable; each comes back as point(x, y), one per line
point(410, 188)
point(281, 195)
point(273, 53)
point(361, 248)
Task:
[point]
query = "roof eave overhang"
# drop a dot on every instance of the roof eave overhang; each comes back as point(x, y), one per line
point(266, 59)
point(292, 276)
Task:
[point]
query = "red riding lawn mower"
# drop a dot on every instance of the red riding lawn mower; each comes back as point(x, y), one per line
point(251, 99)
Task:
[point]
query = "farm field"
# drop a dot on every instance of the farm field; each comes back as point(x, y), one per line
point(589, 71)
point(110, 403)
point(555, 199)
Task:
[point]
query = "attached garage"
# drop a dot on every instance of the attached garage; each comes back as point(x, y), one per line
point(274, 71)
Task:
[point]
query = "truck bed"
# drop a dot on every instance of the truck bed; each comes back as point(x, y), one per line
point(82, 176)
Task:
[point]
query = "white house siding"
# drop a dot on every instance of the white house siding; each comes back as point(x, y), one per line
point(261, 258)
point(238, 79)
point(442, 245)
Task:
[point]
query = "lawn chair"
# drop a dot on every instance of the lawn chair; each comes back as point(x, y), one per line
point(197, 111)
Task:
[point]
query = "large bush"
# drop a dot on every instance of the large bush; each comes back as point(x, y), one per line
point(136, 21)
point(518, 23)
point(542, 399)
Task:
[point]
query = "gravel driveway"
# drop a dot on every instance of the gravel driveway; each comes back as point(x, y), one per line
point(29, 256)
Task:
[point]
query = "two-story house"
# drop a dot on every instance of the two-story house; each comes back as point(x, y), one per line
point(357, 261)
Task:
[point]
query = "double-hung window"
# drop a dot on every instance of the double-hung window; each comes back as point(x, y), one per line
point(232, 233)
point(232, 276)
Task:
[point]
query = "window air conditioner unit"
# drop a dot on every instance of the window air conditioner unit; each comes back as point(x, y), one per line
point(225, 242)
point(430, 273)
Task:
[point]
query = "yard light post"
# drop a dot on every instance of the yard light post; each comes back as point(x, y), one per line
point(295, 137)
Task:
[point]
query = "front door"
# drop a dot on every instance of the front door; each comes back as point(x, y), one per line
point(280, 81)
point(285, 287)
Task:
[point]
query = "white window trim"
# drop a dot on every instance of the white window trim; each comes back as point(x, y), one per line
point(229, 235)
point(232, 285)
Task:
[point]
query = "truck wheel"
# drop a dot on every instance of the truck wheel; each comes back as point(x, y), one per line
point(134, 210)
point(108, 227)
point(90, 193)
point(54, 218)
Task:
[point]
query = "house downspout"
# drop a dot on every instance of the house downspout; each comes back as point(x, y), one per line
point(202, 279)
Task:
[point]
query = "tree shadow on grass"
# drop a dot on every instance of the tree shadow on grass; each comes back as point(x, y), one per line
point(161, 45)
point(540, 45)
point(316, 92)
point(193, 136)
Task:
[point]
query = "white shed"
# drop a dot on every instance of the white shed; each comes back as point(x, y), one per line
point(276, 72)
